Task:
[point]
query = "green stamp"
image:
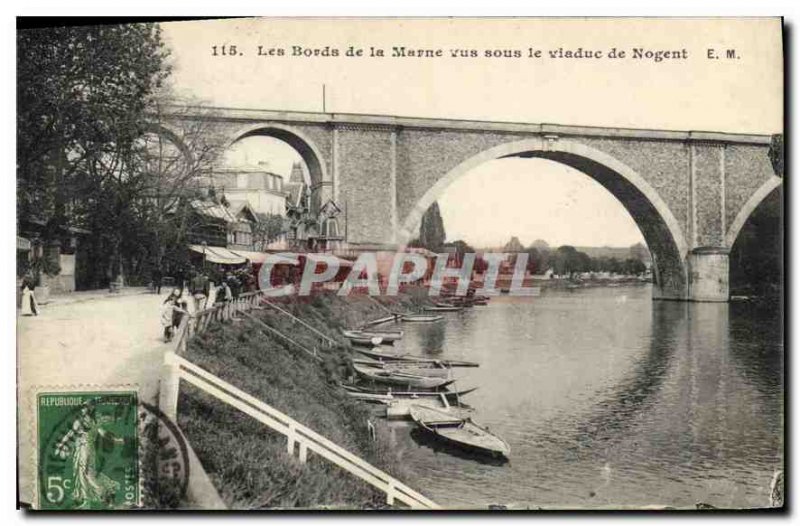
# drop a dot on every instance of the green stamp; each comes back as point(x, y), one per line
point(88, 451)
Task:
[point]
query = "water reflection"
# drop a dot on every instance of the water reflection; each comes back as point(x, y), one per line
point(607, 398)
point(615, 413)
point(430, 337)
point(758, 329)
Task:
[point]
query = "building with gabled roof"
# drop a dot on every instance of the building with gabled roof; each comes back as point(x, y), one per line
point(263, 189)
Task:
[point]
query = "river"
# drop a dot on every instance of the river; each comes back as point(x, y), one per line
point(608, 398)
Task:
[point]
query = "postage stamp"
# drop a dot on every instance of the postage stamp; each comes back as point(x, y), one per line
point(88, 450)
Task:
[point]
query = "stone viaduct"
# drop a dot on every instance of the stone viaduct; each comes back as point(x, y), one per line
point(689, 192)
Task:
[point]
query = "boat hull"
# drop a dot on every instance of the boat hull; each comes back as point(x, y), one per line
point(370, 339)
point(442, 309)
point(401, 379)
point(452, 396)
point(459, 431)
point(421, 318)
point(399, 357)
point(400, 408)
point(399, 367)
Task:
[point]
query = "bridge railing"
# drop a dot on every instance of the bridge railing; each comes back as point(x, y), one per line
point(176, 368)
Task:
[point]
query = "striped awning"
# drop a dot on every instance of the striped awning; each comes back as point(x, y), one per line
point(260, 257)
point(220, 255)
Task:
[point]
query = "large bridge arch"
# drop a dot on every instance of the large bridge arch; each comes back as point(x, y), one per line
point(654, 218)
point(304, 145)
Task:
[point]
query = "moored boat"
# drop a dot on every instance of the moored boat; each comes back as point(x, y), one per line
point(384, 355)
point(399, 377)
point(458, 430)
point(386, 336)
point(371, 338)
point(460, 305)
point(432, 370)
point(448, 308)
point(399, 407)
point(364, 341)
point(389, 394)
point(421, 318)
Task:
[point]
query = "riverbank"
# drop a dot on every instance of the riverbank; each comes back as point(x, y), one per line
point(247, 462)
point(566, 283)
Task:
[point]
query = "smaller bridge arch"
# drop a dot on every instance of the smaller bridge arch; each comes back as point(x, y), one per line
point(749, 207)
point(163, 130)
point(654, 218)
point(309, 152)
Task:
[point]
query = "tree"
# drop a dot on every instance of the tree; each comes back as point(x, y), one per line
point(541, 245)
point(539, 259)
point(633, 267)
point(431, 230)
point(176, 158)
point(82, 97)
point(267, 229)
point(513, 246)
point(567, 260)
point(640, 252)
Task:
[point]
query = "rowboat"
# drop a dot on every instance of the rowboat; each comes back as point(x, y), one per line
point(364, 340)
point(459, 304)
point(398, 377)
point(401, 407)
point(426, 369)
point(388, 394)
point(386, 336)
point(381, 354)
point(458, 430)
point(394, 317)
point(421, 318)
point(372, 338)
point(383, 398)
point(448, 308)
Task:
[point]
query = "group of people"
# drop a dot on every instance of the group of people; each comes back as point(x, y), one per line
point(198, 293)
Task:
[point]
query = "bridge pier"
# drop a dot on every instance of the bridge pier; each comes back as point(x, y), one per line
point(708, 274)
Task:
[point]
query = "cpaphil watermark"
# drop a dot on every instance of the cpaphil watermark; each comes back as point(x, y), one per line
point(292, 273)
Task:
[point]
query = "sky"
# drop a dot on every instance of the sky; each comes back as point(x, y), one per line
point(534, 199)
point(264, 153)
point(527, 198)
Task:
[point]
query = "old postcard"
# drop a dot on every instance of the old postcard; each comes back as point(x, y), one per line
point(437, 264)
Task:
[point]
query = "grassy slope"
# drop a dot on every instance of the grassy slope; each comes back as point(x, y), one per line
point(245, 459)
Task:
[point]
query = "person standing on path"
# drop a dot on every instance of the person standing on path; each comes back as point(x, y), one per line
point(29, 305)
point(200, 291)
point(212, 295)
point(158, 275)
point(184, 306)
point(168, 315)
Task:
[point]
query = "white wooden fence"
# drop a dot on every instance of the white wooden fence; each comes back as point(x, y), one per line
point(177, 368)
